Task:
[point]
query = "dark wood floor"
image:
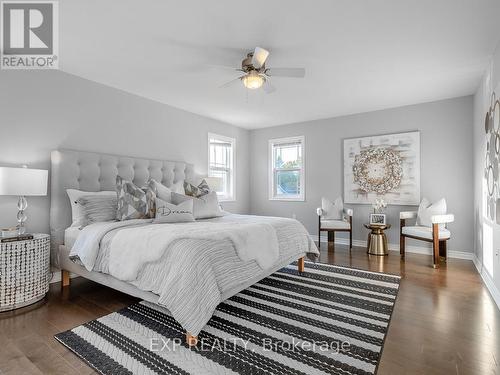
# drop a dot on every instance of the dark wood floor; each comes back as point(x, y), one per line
point(444, 321)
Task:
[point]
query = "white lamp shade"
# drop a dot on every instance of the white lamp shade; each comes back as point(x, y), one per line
point(215, 183)
point(23, 181)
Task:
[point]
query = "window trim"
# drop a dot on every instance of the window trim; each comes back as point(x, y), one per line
point(232, 197)
point(272, 142)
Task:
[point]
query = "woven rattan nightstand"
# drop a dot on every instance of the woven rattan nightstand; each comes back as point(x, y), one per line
point(24, 272)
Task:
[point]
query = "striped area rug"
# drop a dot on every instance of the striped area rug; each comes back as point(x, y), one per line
point(327, 320)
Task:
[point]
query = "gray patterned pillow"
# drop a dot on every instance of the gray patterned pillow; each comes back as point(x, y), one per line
point(97, 208)
point(196, 191)
point(132, 201)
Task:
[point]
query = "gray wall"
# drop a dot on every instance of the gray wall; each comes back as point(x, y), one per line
point(45, 110)
point(446, 164)
point(490, 82)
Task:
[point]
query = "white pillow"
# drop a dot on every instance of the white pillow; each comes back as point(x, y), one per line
point(171, 213)
point(426, 210)
point(160, 190)
point(332, 211)
point(178, 187)
point(204, 207)
point(77, 212)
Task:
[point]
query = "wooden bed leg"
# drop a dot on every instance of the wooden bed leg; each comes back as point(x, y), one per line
point(191, 340)
point(65, 280)
point(300, 264)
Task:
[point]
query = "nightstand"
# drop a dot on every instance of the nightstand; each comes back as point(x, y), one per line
point(24, 272)
point(377, 240)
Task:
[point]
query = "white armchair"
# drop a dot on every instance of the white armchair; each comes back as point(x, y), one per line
point(340, 221)
point(436, 232)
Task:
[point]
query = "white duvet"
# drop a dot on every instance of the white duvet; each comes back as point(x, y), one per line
point(252, 241)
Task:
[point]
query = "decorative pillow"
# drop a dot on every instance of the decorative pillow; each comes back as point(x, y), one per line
point(426, 210)
point(155, 189)
point(196, 191)
point(171, 213)
point(132, 202)
point(98, 208)
point(77, 214)
point(204, 207)
point(332, 211)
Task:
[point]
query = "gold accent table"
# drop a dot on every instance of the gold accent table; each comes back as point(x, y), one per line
point(377, 240)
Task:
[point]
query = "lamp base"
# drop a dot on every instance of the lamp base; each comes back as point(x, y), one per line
point(22, 204)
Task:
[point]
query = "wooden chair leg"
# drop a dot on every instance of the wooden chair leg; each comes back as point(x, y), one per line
point(301, 264)
point(435, 245)
point(402, 240)
point(442, 250)
point(350, 232)
point(65, 280)
point(331, 238)
point(191, 340)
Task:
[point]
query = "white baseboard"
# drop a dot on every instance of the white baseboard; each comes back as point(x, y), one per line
point(425, 250)
point(487, 280)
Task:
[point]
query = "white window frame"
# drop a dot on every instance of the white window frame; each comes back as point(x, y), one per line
point(231, 197)
point(271, 163)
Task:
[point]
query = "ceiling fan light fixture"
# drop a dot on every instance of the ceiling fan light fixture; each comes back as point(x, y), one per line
point(253, 80)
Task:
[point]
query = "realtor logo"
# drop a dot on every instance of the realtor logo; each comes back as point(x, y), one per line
point(29, 35)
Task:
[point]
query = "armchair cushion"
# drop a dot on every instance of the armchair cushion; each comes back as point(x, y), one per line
point(407, 215)
point(332, 211)
point(426, 210)
point(425, 232)
point(335, 224)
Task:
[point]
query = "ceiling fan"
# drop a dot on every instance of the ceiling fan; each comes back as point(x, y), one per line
point(256, 75)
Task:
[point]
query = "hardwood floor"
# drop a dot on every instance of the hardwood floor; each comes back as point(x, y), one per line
point(444, 322)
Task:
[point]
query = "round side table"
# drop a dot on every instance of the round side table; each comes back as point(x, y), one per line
point(377, 240)
point(24, 272)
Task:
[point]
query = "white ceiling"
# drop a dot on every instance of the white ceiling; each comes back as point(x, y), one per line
point(359, 55)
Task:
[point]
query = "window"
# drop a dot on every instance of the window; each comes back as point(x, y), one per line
point(286, 169)
point(221, 152)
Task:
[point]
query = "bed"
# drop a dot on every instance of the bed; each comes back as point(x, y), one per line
point(192, 274)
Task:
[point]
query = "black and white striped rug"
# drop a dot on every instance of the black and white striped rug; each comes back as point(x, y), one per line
point(327, 320)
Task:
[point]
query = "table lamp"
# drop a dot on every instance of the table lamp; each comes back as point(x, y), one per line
point(22, 182)
point(215, 183)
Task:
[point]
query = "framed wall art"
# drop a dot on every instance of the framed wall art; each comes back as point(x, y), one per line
point(382, 166)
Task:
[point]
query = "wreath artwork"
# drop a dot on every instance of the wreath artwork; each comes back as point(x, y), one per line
point(384, 167)
point(491, 168)
point(378, 170)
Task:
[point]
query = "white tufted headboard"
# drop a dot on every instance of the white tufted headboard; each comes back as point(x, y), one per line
point(96, 172)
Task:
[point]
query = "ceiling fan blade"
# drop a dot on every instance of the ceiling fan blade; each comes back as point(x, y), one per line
point(268, 87)
point(259, 57)
point(223, 67)
point(231, 82)
point(286, 72)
